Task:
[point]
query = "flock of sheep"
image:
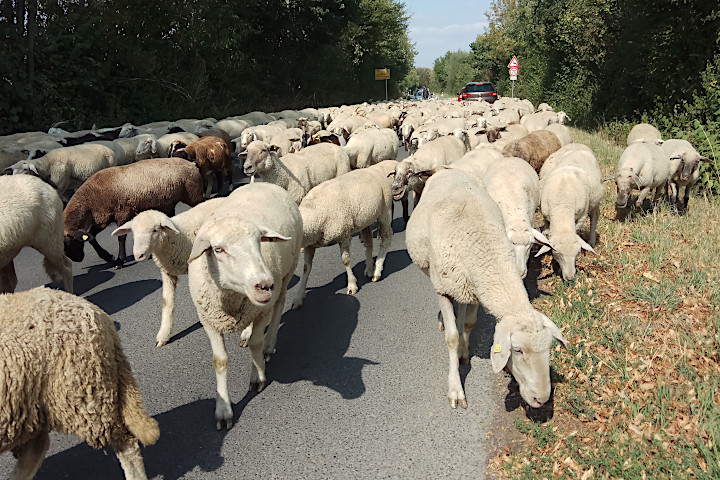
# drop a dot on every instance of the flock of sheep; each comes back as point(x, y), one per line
point(478, 173)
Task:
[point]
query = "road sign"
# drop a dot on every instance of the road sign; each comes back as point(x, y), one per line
point(513, 77)
point(382, 73)
point(514, 71)
point(513, 62)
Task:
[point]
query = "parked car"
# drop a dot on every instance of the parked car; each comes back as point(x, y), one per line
point(478, 91)
point(418, 94)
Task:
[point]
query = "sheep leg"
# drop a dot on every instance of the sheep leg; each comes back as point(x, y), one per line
point(245, 336)
point(352, 287)
point(307, 267)
point(594, 215)
point(30, 456)
point(120, 260)
point(131, 461)
point(256, 344)
point(218, 180)
point(641, 196)
point(673, 191)
point(367, 240)
point(207, 183)
point(8, 278)
point(456, 395)
point(58, 267)
point(686, 197)
point(169, 283)
point(459, 321)
point(223, 407)
point(406, 208)
point(102, 253)
point(469, 323)
point(385, 227)
point(271, 334)
point(229, 174)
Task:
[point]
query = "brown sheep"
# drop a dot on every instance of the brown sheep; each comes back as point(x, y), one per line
point(63, 369)
point(117, 194)
point(534, 148)
point(212, 155)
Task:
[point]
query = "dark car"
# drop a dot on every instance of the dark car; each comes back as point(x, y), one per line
point(478, 91)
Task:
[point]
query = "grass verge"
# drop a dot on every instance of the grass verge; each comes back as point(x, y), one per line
point(638, 389)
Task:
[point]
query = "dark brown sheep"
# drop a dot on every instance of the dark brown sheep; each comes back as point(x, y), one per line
point(212, 155)
point(117, 194)
point(534, 148)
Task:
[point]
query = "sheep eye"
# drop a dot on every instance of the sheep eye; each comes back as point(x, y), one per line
point(156, 229)
point(219, 250)
point(518, 351)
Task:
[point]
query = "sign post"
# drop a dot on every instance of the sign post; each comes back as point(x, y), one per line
point(383, 74)
point(514, 69)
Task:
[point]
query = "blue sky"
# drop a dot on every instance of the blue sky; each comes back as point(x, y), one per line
point(440, 26)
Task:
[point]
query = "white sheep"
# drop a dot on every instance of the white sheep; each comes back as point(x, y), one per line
point(239, 270)
point(515, 187)
point(296, 172)
point(261, 132)
point(644, 166)
point(570, 192)
point(684, 168)
point(562, 132)
point(31, 215)
point(287, 141)
point(129, 150)
point(363, 196)
point(371, 146)
point(233, 127)
point(644, 132)
point(456, 237)
point(163, 147)
point(62, 368)
point(67, 168)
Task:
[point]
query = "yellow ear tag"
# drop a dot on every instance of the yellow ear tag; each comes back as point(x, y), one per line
point(497, 348)
point(84, 237)
point(392, 175)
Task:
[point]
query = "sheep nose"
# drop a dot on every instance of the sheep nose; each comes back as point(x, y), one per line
point(140, 257)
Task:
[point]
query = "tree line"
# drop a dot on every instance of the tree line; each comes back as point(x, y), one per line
point(108, 62)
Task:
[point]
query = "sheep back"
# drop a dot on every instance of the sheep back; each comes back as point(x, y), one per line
point(534, 148)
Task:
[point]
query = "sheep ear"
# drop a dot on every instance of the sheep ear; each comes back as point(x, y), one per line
point(543, 250)
point(274, 148)
point(153, 146)
point(123, 229)
point(554, 330)
point(168, 224)
point(391, 174)
point(705, 159)
point(33, 168)
point(611, 177)
point(272, 236)
point(500, 351)
point(200, 246)
point(585, 246)
point(676, 157)
point(540, 239)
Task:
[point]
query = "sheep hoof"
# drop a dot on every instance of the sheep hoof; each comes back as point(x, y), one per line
point(464, 360)
point(118, 263)
point(160, 343)
point(376, 278)
point(256, 386)
point(462, 403)
point(352, 290)
point(296, 304)
point(228, 421)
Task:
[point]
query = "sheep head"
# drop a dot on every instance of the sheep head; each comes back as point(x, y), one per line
point(625, 182)
point(234, 257)
point(259, 157)
point(146, 146)
point(148, 229)
point(523, 346)
point(565, 250)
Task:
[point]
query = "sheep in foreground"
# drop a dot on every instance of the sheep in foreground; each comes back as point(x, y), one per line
point(67, 168)
point(296, 172)
point(515, 187)
point(211, 155)
point(684, 168)
point(570, 193)
point(534, 148)
point(31, 216)
point(363, 196)
point(644, 132)
point(62, 368)
point(117, 194)
point(411, 173)
point(239, 269)
point(644, 166)
point(456, 237)
point(478, 161)
point(371, 146)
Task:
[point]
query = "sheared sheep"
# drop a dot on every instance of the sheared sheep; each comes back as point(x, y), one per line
point(371, 146)
point(117, 194)
point(562, 132)
point(296, 172)
point(643, 166)
point(62, 368)
point(363, 196)
point(456, 236)
point(570, 192)
point(239, 269)
point(534, 148)
point(211, 155)
point(31, 216)
point(684, 168)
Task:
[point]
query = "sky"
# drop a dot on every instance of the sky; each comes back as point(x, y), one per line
point(439, 26)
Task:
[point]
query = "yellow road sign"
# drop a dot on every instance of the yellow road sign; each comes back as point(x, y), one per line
point(382, 73)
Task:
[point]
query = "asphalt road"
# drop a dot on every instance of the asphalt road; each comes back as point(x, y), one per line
point(357, 388)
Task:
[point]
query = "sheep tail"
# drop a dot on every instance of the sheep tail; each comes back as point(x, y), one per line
point(132, 411)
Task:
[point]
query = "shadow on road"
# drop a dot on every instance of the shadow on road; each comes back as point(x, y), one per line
point(85, 282)
point(188, 440)
point(120, 297)
point(313, 340)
